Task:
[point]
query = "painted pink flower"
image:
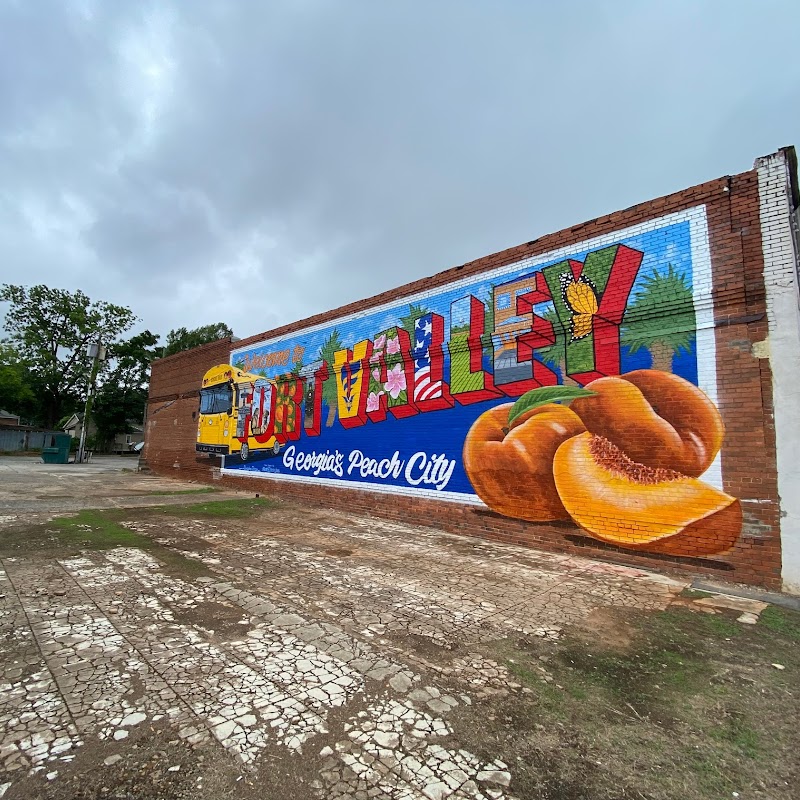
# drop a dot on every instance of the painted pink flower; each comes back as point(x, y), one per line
point(377, 348)
point(393, 345)
point(395, 381)
point(373, 401)
point(376, 373)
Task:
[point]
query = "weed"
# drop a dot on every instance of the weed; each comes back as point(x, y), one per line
point(779, 620)
point(719, 625)
point(633, 677)
point(679, 627)
point(737, 732)
point(526, 676)
point(707, 769)
point(548, 696)
point(578, 692)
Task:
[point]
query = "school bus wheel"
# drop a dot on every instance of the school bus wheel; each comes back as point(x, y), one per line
point(276, 448)
point(245, 452)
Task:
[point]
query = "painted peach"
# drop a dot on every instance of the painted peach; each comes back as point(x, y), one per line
point(511, 467)
point(656, 418)
point(633, 505)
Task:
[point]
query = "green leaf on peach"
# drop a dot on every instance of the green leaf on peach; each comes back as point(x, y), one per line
point(544, 395)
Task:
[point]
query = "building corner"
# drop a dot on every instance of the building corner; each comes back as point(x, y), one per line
point(778, 211)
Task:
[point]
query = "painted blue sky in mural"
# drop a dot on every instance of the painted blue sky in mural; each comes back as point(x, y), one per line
point(662, 247)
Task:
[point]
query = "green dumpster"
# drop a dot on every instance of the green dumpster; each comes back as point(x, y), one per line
point(56, 450)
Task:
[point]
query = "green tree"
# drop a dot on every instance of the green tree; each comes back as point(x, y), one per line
point(113, 409)
point(329, 393)
point(182, 339)
point(122, 396)
point(129, 360)
point(661, 318)
point(17, 394)
point(51, 328)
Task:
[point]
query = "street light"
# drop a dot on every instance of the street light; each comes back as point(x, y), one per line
point(97, 352)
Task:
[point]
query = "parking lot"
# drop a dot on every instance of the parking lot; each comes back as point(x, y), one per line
point(160, 639)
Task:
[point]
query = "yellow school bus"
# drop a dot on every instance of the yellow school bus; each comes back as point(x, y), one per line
point(236, 410)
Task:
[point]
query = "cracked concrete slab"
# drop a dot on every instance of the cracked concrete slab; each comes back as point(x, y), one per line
point(347, 642)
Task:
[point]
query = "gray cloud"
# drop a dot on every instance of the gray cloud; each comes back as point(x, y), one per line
point(255, 163)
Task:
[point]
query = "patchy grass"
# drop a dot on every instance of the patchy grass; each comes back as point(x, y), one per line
point(100, 530)
point(735, 730)
point(689, 707)
point(671, 624)
point(204, 490)
point(549, 696)
point(96, 530)
point(780, 621)
point(220, 509)
point(628, 705)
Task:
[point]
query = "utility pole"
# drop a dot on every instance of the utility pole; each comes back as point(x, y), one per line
point(98, 354)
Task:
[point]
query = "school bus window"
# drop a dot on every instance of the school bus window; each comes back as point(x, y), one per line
point(216, 400)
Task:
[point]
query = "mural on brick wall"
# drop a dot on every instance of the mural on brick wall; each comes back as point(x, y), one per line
point(579, 387)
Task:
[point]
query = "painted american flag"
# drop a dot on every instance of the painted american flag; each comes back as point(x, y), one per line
point(424, 387)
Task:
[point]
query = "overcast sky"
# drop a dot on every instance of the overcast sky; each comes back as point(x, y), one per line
point(258, 162)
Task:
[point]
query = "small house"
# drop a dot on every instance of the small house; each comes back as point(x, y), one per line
point(7, 419)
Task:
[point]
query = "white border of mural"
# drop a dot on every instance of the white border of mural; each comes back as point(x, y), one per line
point(702, 283)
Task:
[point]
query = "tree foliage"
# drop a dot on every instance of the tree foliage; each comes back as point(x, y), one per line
point(114, 408)
point(16, 392)
point(661, 318)
point(407, 322)
point(130, 360)
point(182, 339)
point(329, 393)
point(50, 329)
point(122, 395)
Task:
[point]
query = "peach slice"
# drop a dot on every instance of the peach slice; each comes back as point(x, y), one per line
point(629, 504)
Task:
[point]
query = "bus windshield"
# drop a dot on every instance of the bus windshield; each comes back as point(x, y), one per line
point(216, 399)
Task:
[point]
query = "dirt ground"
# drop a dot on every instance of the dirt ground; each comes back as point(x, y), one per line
point(163, 640)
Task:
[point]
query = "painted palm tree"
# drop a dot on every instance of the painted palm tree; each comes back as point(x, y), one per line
point(555, 355)
point(407, 322)
point(661, 318)
point(329, 393)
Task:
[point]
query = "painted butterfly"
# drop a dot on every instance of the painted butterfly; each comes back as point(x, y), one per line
point(580, 297)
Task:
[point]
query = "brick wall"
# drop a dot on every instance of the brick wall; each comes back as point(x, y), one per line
point(172, 405)
point(729, 348)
